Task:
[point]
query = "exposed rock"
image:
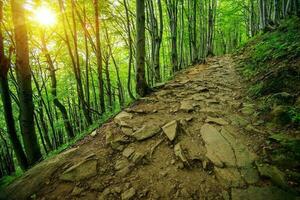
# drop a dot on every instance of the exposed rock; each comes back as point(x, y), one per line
point(128, 152)
point(210, 111)
point(122, 118)
point(201, 89)
point(127, 131)
point(171, 130)
point(146, 132)
point(186, 106)
point(272, 172)
point(229, 177)
point(251, 128)
point(212, 101)
point(137, 157)
point(120, 164)
point(94, 133)
point(221, 155)
point(123, 172)
point(116, 141)
point(180, 153)
point(80, 171)
point(198, 97)
point(244, 158)
point(128, 194)
point(194, 149)
point(260, 193)
point(218, 121)
point(77, 191)
point(250, 175)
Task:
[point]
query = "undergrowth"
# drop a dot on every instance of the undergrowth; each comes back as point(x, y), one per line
point(271, 64)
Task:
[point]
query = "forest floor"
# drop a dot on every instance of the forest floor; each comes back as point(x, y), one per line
point(194, 138)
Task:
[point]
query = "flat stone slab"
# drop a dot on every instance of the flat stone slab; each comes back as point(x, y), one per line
point(129, 194)
point(171, 130)
point(261, 193)
point(244, 158)
point(218, 149)
point(229, 177)
point(146, 132)
point(83, 170)
point(187, 105)
point(218, 121)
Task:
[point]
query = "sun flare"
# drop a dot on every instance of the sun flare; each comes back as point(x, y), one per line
point(44, 16)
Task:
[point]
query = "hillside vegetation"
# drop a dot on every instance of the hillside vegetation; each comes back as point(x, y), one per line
point(270, 62)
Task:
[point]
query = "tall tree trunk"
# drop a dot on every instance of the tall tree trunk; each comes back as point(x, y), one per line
point(276, 11)
point(172, 9)
point(6, 99)
point(130, 50)
point(141, 84)
point(99, 57)
point(23, 71)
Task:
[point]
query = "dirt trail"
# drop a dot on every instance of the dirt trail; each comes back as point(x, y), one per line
point(192, 139)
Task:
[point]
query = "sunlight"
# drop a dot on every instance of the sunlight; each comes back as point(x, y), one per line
point(44, 16)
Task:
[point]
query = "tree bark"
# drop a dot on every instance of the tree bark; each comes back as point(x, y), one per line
point(23, 71)
point(141, 84)
point(99, 57)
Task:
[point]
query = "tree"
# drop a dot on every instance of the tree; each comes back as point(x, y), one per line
point(99, 56)
point(141, 83)
point(23, 72)
point(6, 99)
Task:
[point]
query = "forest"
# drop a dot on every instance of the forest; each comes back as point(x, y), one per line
point(67, 66)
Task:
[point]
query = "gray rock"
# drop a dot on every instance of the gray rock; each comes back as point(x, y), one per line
point(128, 194)
point(229, 177)
point(218, 121)
point(127, 131)
point(224, 153)
point(180, 153)
point(122, 118)
point(186, 106)
point(120, 164)
point(137, 157)
point(83, 170)
point(146, 132)
point(250, 175)
point(171, 130)
point(127, 152)
point(94, 133)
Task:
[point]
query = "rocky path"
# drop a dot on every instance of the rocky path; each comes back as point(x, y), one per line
point(192, 139)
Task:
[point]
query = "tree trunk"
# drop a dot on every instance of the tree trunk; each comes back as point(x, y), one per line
point(141, 84)
point(99, 57)
point(130, 50)
point(23, 71)
point(7, 104)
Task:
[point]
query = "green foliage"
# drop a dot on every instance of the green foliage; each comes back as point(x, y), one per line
point(6, 180)
point(289, 143)
point(271, 64)
point(294, 114)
